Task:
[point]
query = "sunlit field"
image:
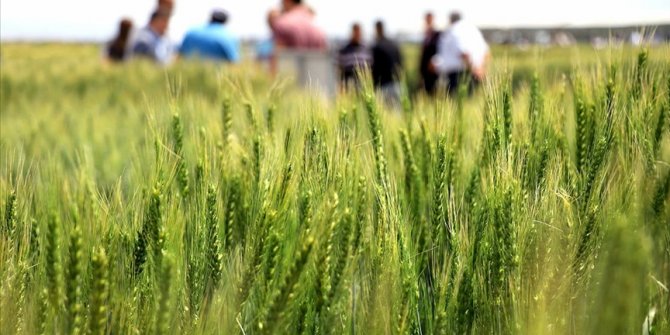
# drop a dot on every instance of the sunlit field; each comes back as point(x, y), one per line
point(205, 199)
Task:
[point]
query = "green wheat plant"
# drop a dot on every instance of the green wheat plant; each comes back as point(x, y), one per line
point(232, 202)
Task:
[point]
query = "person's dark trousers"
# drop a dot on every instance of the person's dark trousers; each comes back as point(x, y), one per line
point(429, 81)
point(465, 78)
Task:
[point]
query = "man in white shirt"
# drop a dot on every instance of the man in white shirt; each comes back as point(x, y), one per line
point(462, 55)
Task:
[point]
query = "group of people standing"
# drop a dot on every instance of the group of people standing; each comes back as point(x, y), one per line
point(458, 56)
point(292, 26)
point(384, 60)
point(455, 56)
point(212, 40)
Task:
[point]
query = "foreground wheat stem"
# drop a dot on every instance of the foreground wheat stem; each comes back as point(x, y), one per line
point(288, 285)
point(97, 319)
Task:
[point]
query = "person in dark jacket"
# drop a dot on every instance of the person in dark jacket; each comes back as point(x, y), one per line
point(117, 49)
point(386, 65)
point(353, 57)
point(428, 50)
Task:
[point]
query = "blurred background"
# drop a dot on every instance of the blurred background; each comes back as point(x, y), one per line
point(514, 21)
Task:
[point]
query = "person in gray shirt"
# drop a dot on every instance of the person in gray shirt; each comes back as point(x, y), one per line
point(152, 42)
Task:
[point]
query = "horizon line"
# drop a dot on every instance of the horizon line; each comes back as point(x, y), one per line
point(400, 33)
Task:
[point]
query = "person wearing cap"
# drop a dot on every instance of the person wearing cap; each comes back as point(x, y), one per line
point(152, 42)
point(213, 41)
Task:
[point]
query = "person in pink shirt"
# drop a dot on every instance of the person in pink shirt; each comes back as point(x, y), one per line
point(293, 27)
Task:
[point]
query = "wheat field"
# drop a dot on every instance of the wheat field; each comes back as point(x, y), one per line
point(202, 199)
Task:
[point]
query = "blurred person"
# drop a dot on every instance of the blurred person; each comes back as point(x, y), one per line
point(152, 41)
point(428, 50)
point(462, 55)
point(293, 27)
point(264, 49)
point(166, 6)
point(300, 47)
point(353, 57)
point(117, 49)
point(263, 53)
point(386, 65)
point(212, 41)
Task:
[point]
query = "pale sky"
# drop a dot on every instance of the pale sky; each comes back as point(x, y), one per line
point(98, 20)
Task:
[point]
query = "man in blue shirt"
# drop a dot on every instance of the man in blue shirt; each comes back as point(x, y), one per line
point(212, 41)
point(152, 41)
